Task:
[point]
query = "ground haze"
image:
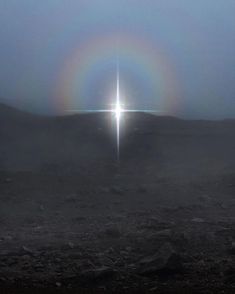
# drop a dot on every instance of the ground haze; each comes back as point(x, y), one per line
point(161, 219)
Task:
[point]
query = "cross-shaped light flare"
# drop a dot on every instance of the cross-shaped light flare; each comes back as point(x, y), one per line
point(118, 111)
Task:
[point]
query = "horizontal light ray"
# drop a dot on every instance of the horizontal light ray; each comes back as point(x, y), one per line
point(118, 110)
point(89, 110)
point(114, 110)
point(141, 110)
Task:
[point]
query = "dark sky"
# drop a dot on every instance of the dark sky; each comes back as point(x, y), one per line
point(175, 56)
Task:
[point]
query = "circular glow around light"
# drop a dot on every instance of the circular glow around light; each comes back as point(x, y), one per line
point(117, 111)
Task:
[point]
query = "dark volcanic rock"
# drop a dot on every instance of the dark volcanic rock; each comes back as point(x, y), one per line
point(95, 275)
point(230, 275)
point(116, 190)
point(232, 248)
point(112, 232)
point(165, 262)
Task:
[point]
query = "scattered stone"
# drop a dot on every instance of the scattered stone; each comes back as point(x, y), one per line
point(232, 248)
point(142, 190)
point(201, 263)
point(165, 262)
point(153, 289)
point(58, 284)
point(79, 219)
point(41, 207)
point(128, 248)
point(198, 220)
point(26, 257)
point(105, 190)
point(39, 266)
point(116, 190)
point(71, 198)
point(8, 180)
point(166, 233)
point(71, 245)
point(205, 198)
point(110, 250)
point(27, 250)
point(8, 238)
point(113, 232)
point(230, 275)
point(93, 275)
point(173, 209)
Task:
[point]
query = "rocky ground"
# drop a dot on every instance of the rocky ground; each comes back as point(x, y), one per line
point(117, 238)
point(75, 220)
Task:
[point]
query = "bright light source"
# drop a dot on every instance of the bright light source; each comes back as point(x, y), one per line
point(118, 111)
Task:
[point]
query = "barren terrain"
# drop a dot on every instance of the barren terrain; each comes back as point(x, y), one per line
point(73, 218)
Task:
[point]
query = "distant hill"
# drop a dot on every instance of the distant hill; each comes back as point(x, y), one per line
point(87, 142)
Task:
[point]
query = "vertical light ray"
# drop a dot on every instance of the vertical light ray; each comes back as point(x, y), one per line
point(117, 111)
point(118, 114)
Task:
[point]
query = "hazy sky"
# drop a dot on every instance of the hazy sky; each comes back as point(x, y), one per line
point(176, 56)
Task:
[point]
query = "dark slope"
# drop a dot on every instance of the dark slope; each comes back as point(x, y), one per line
point(70, 144)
